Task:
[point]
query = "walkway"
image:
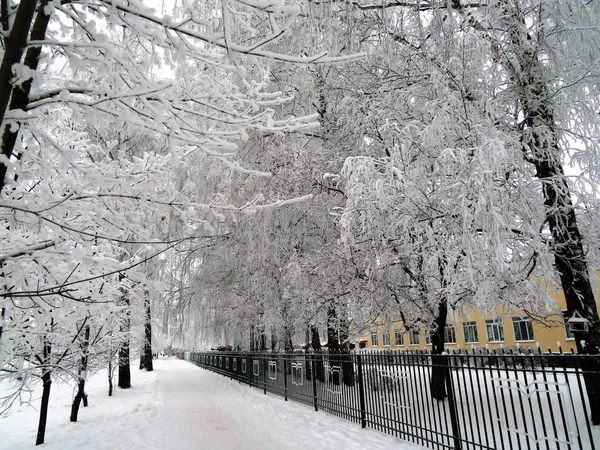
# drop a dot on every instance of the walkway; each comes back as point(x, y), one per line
point(180, 406)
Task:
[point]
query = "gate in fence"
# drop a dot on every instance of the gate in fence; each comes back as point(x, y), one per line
point(492, 400)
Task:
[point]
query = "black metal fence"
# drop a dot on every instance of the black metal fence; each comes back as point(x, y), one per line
point(484, 401)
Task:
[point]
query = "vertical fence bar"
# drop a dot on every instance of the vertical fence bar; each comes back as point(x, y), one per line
point(452, 404)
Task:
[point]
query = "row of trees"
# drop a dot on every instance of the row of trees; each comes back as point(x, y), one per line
point(111, 115)
point(455, 167)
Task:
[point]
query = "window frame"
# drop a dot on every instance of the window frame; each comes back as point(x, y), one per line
point(494, 324)
point(447, 329)
point(385, 334)
point(413, 333)
point(374, 339)
point(398, 333)
point(471, 324)
point(519, 321)
point(427, 336)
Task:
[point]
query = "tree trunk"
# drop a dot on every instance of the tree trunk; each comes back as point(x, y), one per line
point(110, 376)
point(15, 44)
point(439, 369)
point(3, 312)
point(288, 346)
point(124, 369)
point(81, 395)
point(262, 345)
point(318, 357)
point(46, 383)
point(20, 94)
point(273, 339)
point(345, 356)
point(146, 356)
point(252, 338)
point(333, 344)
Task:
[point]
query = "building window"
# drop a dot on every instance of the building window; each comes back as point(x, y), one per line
point(567, 327)
point(398, 337)
point(470, 332)
point(523, 329)
point(374, 339)
point(413, 337)
point(495, 330)
point(450, 334)
point(385, 338)
point(427, 336)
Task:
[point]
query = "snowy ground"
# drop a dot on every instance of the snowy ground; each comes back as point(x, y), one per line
point(180, 406)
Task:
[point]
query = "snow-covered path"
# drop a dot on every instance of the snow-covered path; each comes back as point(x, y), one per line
point(180, 406)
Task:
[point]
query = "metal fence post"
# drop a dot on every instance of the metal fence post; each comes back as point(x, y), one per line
point(314, 382)
point(451, 402)
point(361, 392)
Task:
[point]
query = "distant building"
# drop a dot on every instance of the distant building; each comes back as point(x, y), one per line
point(508, 329)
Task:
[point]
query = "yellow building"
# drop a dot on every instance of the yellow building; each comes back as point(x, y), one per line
point(475, 330)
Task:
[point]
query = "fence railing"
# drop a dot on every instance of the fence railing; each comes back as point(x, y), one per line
point(459, 401)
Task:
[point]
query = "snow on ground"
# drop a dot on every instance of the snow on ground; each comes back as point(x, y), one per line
point(180, 406)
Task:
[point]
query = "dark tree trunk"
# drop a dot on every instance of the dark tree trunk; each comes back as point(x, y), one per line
point(273, 339)
point(3, 312)
point(439, 368)
point(81, 395)
point(46, 383)
point(146, 356)
point(124, 369)
point(15, 45)
point(262, 345)
point(318, 356)
point(252, 338)
point(345, 356)
point(333, 343)
point(110, 376)
point(288, 346)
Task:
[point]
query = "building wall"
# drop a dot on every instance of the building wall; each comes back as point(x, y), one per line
point(548, 332)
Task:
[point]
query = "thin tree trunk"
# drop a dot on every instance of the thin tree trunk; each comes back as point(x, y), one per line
point(46, 383)
point(110, 376)
point(147, 348)
point(273, 339)
point(288, 345)
point(81, 395)
point(124, 369)
point(252, 338)
point(262, 345)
